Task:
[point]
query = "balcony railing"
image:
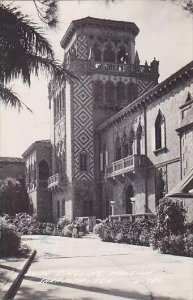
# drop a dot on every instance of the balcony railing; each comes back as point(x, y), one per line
point(125, 165)
point(42, 184)
point(120, 68)
point(107, 67)
point(56, 181)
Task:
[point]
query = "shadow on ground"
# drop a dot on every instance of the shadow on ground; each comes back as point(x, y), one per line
point(29, 293)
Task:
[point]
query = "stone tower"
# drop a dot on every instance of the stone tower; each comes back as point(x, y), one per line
point(101, 53)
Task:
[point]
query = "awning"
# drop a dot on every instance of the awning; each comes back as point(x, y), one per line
point(184, 188)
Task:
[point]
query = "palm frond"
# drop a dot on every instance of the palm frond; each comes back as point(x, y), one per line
point(48, 67)
point(10, 99)
point(16, 29)
point(47, 11)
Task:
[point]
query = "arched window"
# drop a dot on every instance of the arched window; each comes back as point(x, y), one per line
point(139, 133)
point(160, 131)
point(109, 93)
point(109, 54)
point(117, 149)
point(124, 146)
point(83, 161)
point(122, 56)
point(131, 92)
point(97, 54)
point(98, 91)
point(121, 95)
point(105, 156)
point(130, 142)
point(43, 170)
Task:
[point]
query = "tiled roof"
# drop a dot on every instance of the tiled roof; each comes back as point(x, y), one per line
point(46, 143)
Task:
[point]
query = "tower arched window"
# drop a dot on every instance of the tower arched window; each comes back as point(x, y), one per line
point(97, 54)
point(109, 93)
point(121, 95)
point(160, 132)
point(117, 149)
point(43, 170)
point(98, 91)
point(124, 146)
point(131, 92)
point(109, 54)
point(130, 142)
point(139, 136)
point(122, 56)
point(83, 161)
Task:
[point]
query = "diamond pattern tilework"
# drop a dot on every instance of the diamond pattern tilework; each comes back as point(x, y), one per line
point(144, 86)
point(83, 126)
point(82, 48)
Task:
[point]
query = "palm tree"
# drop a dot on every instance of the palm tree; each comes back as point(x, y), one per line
point(24, 51)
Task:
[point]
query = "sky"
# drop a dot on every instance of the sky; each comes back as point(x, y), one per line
point(166, 33)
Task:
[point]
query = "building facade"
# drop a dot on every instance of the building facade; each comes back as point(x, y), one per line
point(119, 140)
point(109, 76)
point(38, 169)
point(149, 148)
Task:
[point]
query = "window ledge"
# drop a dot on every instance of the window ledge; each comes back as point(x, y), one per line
point(160, 150)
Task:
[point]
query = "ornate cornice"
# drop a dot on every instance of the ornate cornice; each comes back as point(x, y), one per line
point(98, 23)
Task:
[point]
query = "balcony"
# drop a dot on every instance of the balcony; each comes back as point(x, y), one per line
point(42, 184)
point(125, 165)
point(120, 68)
point(115, 68)
point(56, 181)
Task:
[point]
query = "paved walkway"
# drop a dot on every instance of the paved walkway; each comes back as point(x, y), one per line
point(87, 268)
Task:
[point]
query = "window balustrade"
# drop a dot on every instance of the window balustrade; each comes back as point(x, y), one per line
point(125, 165)
point(56, 181)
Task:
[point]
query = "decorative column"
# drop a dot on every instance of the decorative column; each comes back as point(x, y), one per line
point(112, 203)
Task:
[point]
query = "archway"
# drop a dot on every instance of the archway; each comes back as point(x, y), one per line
point(43, 170)
point(129, 193)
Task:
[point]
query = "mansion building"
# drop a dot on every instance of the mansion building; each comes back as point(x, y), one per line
point(119, 140)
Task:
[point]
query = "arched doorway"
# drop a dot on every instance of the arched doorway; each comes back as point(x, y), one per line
point(128, 199)
point(43, 170)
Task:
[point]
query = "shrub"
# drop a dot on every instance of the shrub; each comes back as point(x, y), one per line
point(98, 228)
point(170, 217)
point(29, 225)
point(10, 240)
point(172, 235)
point(61, 224)
point(188, 245)
point(14, 198)
point(170, 222)
point(67, 230)
point(135, 233)
point(189, 227)
point(173, 244)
